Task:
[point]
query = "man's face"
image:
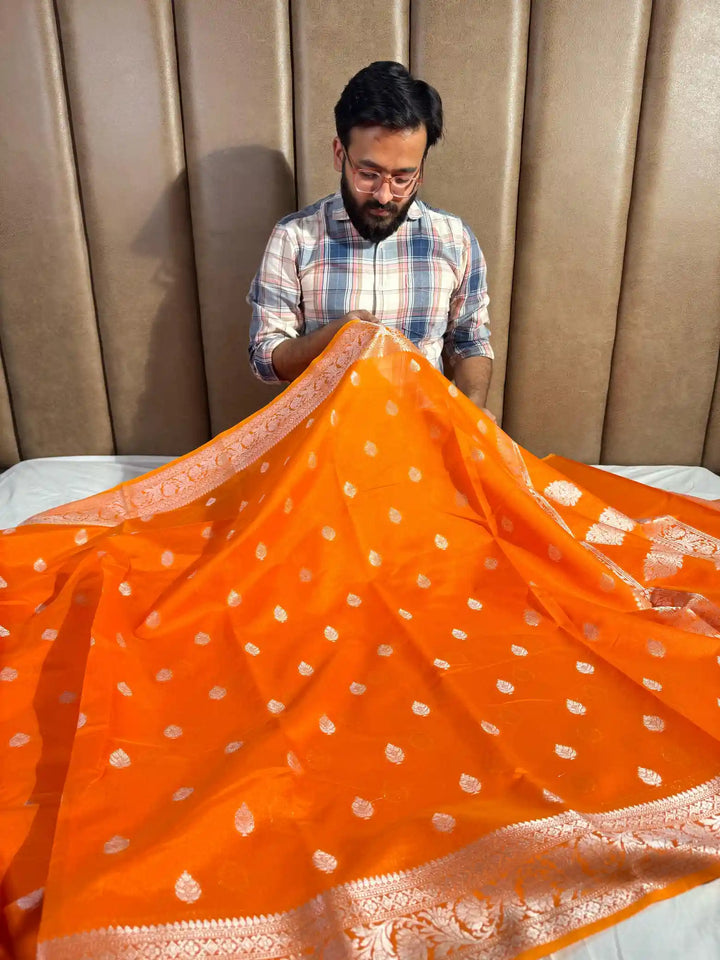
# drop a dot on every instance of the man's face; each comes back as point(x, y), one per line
point(388, 152)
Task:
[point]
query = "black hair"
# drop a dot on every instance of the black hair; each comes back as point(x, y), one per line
point(384, 94)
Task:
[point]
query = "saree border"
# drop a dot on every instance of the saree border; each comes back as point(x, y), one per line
point(199, 473)
point(521, 887)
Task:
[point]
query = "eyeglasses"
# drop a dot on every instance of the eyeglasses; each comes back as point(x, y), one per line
point(370, 181)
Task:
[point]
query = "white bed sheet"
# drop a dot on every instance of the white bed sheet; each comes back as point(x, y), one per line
point(31, 486)
point(686, 926)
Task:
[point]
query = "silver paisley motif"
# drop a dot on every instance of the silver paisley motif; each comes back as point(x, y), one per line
point(187, 888)
point(394, 754)
point(469, 784)
point(653, 723)
point(244, 820)
point(563, 492)
point(443, 822)
point(119, 759)
point(326, 725)
point(116, 845)
point(30, 900)
point(362, 808)
point(324, 861)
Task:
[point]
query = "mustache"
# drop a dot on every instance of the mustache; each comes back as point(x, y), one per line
point(388, 207)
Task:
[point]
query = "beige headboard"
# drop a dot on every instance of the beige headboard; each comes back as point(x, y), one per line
point(148, 147)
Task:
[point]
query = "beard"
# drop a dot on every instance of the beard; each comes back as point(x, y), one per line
point(367, 224)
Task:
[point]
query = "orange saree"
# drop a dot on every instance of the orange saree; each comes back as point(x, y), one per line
point(358, 678)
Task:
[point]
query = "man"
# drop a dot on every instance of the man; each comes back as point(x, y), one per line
point(374, 251)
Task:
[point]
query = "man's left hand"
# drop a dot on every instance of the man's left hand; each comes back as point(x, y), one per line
point(489, 413)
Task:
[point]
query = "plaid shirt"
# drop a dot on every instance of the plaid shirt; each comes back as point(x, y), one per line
point(427, 280)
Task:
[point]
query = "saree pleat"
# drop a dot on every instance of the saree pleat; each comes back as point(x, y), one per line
point(359, 678)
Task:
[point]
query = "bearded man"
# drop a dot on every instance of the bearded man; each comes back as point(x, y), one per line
point(374, 251)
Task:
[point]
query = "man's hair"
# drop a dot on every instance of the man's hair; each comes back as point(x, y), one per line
point(386, 95)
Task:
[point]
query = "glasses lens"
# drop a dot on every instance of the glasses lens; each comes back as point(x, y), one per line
point(401, 186)
point(366, 181)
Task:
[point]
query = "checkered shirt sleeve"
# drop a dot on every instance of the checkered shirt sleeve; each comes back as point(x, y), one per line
point(468, 332)
point(275, 300)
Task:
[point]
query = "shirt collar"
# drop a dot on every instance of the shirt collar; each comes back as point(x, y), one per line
point(340, 213)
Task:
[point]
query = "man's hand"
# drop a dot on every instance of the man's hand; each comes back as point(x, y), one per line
point(293, 355)
point(358, 315)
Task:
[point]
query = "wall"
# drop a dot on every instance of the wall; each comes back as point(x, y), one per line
point(148, 147)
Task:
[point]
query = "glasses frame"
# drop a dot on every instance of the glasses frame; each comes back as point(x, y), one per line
point(415, 180)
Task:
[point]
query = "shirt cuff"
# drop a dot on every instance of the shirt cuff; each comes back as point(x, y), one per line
point(261, 359)
point(476, 348)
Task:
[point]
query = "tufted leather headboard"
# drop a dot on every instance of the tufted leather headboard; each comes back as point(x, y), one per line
point(148, 147)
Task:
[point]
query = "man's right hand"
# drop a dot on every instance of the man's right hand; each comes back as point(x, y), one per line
point(293, 355)
point(358, 315)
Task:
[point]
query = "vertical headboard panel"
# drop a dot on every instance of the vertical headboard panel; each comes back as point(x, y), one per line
point(711, 452)
point(585, 69)
point(668, 337)
point(120, 66)
point(331, 42)
point(49, 336)
point(475, 170)
point(236, 86)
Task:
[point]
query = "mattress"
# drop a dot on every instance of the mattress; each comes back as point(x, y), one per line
point(687, 925)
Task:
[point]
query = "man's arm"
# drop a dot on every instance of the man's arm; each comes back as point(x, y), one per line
point(279, 348)
point(472, 376)
point(292, 356)
point(467, 340)
point(275, 297)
